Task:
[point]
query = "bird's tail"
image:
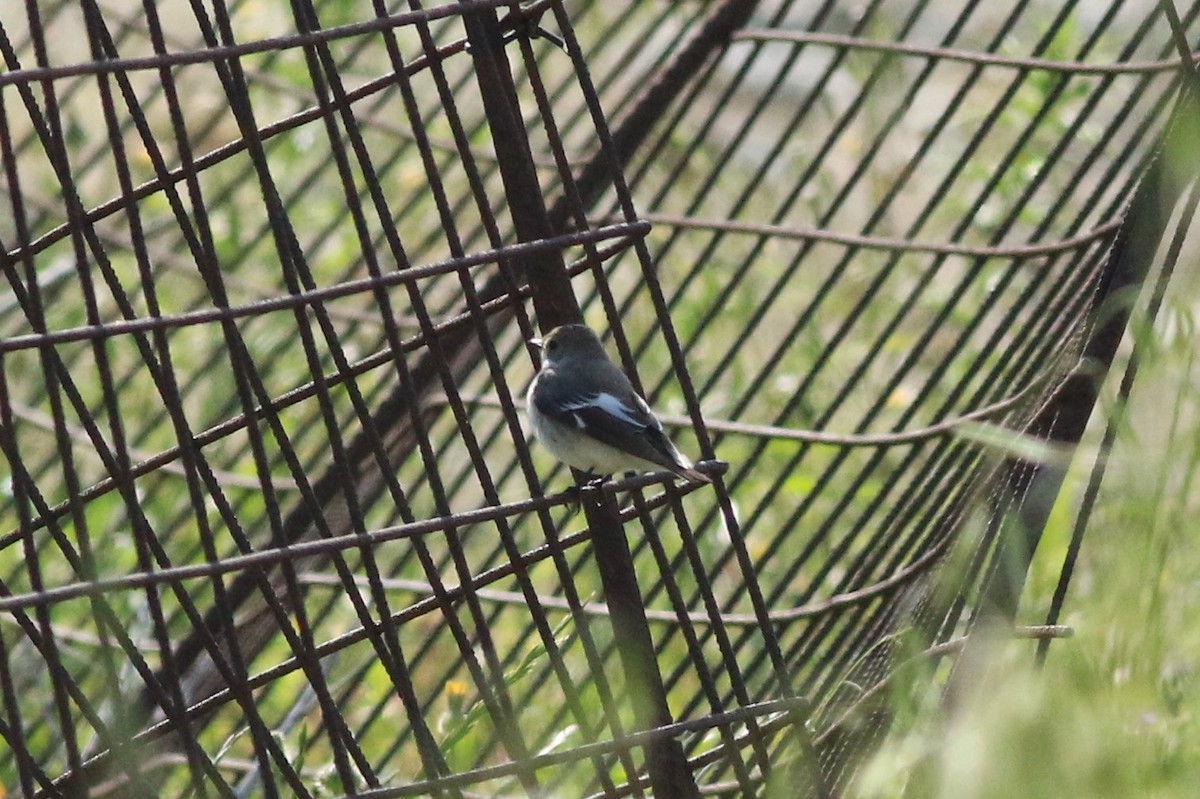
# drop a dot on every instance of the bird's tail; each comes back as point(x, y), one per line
point(682, 465)
point(696, 476)
point(686, 469)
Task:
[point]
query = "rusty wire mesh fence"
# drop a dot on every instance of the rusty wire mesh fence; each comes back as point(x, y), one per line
point(270, 524)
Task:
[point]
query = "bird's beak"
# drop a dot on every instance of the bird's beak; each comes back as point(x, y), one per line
point(537, 342)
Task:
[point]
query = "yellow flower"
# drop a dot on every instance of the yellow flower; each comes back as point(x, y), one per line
point(456, 695)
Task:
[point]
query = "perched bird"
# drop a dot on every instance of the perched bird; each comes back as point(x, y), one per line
point(584, 410)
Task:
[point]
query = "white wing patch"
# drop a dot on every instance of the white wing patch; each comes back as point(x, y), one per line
point(614, 407)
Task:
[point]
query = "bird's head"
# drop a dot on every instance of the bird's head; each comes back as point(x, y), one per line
point(570, 342)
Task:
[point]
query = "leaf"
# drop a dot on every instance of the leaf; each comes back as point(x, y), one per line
point(558, 740)
point(1018, 445)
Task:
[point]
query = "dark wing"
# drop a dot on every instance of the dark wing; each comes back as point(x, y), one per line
point(628, 425)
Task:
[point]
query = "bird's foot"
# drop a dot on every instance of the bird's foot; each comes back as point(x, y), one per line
point(588, 483)
point(594, 481)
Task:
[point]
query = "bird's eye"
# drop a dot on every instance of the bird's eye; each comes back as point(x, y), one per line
point(551, 345)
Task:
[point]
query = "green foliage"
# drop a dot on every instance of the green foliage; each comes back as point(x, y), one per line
point(1115, 711)
point(464, 726)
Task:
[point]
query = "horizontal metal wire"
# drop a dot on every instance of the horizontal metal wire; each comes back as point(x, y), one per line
point(777, 433)
point(236, 563)
point(1162, 65)
point(1100, 234)
point(275, 44)
point(406, 277)
point(812, 610)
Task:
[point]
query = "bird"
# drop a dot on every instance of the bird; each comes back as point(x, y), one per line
point(583, 409)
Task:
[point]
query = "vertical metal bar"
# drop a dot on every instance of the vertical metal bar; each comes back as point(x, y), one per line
point(1065, 417)
point(555, 303)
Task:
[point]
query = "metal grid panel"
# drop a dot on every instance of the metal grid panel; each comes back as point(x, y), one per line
point(271, 509)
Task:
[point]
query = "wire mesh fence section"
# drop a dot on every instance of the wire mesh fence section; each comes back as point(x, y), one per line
point(271, 525)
